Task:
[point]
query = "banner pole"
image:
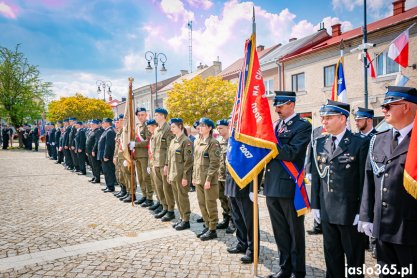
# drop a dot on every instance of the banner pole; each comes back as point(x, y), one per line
point(255, 227)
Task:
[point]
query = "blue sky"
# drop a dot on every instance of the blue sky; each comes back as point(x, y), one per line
point(76, 42)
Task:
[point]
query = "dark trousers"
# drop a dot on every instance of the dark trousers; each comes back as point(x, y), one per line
point(81, 162)
point(396, 256)
point(60, 156)
point(29, 144)
point(109, 171)
point(74, 159)
point(5, 142)
point(49, 149)
point(53, 152)
point(242, 214)
point(68, 159)
point(340, 241)
point(95, 167)
point(289, 235)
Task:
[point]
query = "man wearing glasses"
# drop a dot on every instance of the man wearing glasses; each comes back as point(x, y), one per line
point(388, 212)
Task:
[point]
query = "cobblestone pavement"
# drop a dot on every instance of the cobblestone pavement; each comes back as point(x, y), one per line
point(56, 224)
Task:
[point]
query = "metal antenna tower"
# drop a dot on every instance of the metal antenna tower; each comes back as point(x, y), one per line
point(190, 45)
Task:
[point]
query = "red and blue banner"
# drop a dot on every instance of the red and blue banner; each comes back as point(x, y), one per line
point(253, 142)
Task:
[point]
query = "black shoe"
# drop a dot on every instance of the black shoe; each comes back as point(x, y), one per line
point(82, 173)
point(120, 193)
point(127, 196)
point(176, 223)
point(314, 232)
point(129, 199)
point(224, 224)
point(103, 189)
point(57, 162)
point(183, 225)
point(95, 181)
point(158, 209)
point(154, 206)
point(280, 274)
point(236, 250)
point(140, 201)
point(246, 259)
point(200, 220)
point(210, 234)
point(231, 229)
point(168, 216)
point(161, 214)
point(108, 190)
point(205, 230)
point(122, 196)
point(147, 203)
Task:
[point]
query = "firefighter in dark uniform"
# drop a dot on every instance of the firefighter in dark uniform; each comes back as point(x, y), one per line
point(69, 165)
point(364, 122)
point(336, 189)
point(71, 140)
point(56, 143)
point(95, 162)
point(105, 153)
point(294, 134)
point(388, 212)
point(80, 139)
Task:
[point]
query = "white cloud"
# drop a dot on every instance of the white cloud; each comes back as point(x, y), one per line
point(7, 10)
point(176, 11)
point(202, 4)
point(410, 4)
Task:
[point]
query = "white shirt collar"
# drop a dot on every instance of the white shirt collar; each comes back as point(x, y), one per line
point(366, 134)
point(339, 137)
point(403, 132)
point(290, 117)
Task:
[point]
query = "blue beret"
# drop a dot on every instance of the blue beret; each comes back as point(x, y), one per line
point(140, 109)
point(196, 124)
point(95, 122)
point(151, 122)
point(176, 121)
point(98, 120)
point(52, 123)
point(115, 119)
point(59, 122)
point(207, 122)
point(79, 123)
point(72, 119)
point(222, 122)
point(107, 120)
point(121, 116)
point(283, 97)
point(335, 108)
point(161, 111)
point(397, 93)
point(65, 120)
point(363, 113)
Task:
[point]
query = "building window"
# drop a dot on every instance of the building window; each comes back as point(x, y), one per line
point(385, 65)
point(298, 82)
point(269, 87)
point(329, 75)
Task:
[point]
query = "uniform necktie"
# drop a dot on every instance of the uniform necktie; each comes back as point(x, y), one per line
point(333, 143)
point(394, 142)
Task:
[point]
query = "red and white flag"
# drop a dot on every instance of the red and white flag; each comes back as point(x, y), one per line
point(398, 49)
point(371, 69)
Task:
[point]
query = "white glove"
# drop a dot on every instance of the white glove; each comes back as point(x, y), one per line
point(316, 215)
point(366, 227)
point(132, 145)
point(251, 196)
point(125, 163)
point(355, 222)
point(308, 177)
point(148, 170)
point(53, 144)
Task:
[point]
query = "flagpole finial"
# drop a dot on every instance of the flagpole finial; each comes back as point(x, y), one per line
point(253, 20)
point(131, 79)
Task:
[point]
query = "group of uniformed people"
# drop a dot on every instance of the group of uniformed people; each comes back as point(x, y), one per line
point(356, 178)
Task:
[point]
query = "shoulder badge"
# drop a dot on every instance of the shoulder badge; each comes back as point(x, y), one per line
point(217, 152)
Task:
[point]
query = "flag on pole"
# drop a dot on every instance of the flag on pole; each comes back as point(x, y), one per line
point(410, 170)
point(128, 130)
point(371, 69)
point(253, 142)
point(398, 49)
point(339, 86)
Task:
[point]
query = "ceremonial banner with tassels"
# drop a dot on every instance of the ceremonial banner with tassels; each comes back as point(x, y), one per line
point(128, 136)
point(410, 171)
point(253, 143)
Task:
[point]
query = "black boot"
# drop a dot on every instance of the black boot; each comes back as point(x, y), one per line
point(205, 230)
point(210, 234)
point(161, 214)
point(129, 199)
point(140, 200)
point(154, 206)
point(200, 220)
point(121, 198)
point(168, 216)
point(225, 223)
point(147, 203)
point(158, 209)
point(182, 226)
point(231, 229)
point(122, 192)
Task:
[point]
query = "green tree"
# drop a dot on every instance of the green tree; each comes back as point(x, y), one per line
point(22, 93)
point(193, 99)
point(78, 106)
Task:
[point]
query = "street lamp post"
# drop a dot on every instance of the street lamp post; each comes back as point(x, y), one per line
point(156, 57)
point(106, 85)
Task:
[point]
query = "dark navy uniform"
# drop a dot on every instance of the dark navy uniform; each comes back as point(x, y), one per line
point(66, 147)
point(106, 146)
point(294, 136)
point(336, 186)
point(52, 135)
point(80, 149)
point(56, 143)
point(72, 149)
point(385, 202)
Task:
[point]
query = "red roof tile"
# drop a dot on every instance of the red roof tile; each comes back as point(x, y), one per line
point(371, 27)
